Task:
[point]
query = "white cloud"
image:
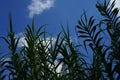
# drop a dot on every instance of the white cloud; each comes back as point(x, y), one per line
point(117, 4)
point(22, 42)
point(38, 6)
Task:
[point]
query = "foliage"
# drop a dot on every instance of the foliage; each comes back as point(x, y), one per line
point(43, 58)
point(105, 57)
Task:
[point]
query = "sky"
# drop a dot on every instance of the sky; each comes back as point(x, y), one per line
point(51, 12)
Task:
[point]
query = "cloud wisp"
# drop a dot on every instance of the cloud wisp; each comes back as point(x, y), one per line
point(38, 6)
point(117, 5)
point(22, 42)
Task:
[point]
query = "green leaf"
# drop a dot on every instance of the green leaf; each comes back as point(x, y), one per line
point(6, 40)
point(84, 36)
point(10, 22)
point(97, 35)
point(85, 43)
point(82, 32)
point(98, 41)
point(91, 22)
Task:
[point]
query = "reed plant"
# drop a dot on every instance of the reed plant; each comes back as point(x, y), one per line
point(43, 58)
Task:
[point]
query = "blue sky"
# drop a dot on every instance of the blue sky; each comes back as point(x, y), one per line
point(58, 12)
point(51, 12)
